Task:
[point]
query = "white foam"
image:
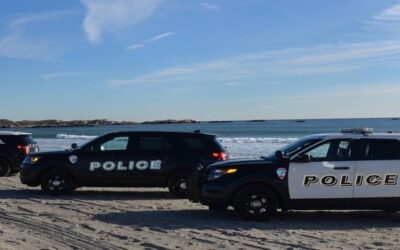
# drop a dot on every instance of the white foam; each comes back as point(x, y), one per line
point(84, 137)
point(257, 140)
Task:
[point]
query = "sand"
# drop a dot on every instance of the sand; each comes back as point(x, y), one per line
point(148, 218)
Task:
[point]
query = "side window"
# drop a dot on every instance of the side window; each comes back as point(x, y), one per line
point(320, 152)
point(115, 144)
point(194, 142)
point(333, 150)
point(153, 143)
point(375, 149)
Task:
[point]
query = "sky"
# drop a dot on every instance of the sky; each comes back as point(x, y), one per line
point(140, 60)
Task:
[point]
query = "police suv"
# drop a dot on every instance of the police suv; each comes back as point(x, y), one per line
point(14, 147)
point(124, 159)
point(354, 169)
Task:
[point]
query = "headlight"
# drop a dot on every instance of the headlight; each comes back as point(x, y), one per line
point(31, 160)
point(217, 173)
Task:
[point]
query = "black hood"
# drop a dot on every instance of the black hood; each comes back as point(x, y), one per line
point(241, 162)
point(52, 153)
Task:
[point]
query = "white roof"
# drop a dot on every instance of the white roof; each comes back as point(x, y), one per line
point(13, 133)
point(362, 136)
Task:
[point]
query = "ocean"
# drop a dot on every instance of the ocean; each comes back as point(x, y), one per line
point(242, 139)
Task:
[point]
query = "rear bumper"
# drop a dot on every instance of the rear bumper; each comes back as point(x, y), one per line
point(15, 165)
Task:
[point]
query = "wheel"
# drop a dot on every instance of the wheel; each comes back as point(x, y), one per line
point(217, 208)
point(57, 182)
point(5, 168)
point(256, 203)
point(177, 184)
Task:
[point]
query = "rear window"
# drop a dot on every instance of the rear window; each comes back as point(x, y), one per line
point(380, 150)
point(16, 140)
point(202, 143)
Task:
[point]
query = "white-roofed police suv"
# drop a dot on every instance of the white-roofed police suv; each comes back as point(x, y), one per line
point(354, 169)
point(124, 159)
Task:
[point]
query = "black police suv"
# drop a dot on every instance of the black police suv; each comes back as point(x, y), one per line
point(124, 159)
point(14, 147)
point(354, 169)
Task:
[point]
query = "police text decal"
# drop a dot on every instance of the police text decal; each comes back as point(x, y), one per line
point(120, 166)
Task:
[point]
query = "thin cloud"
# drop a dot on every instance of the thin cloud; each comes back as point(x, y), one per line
point(210, 6)
point(390, 14)
point(17, 44)
point(39, 17)
point(387, 20)
point(315, 60)
point(17, 47)
point(104, 16)
point(52, 76)
point(135, 46)
point(150, 40)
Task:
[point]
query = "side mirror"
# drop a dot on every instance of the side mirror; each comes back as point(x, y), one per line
point(302, 159)
point(74, 146)
point(280, 155)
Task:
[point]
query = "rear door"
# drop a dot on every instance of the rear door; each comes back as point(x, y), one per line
point(378, 169)
point(328, 174)
point(152, 155)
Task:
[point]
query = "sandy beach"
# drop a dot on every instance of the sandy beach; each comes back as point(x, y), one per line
point(141, 218)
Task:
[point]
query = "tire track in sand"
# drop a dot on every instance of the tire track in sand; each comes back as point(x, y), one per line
point(55, 234)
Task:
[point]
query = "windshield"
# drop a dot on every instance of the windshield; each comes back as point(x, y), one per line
point(83, 146)
point(295, 147)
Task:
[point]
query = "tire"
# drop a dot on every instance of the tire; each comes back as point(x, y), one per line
point(255, 203)
point(177, 184)
point(57, 182)
point(217, 208)
point(5, 168)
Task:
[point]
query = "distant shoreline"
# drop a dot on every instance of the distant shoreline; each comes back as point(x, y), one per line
point(53, 123)
point(81, 123)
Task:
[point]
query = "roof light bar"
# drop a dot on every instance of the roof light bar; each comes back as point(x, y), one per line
point(357, 130)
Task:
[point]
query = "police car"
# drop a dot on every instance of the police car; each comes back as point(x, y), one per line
point(124, 159)
point(354, 169)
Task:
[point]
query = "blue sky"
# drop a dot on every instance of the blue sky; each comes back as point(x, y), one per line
point(206, 60)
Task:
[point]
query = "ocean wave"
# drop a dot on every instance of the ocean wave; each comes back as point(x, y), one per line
point(81, 137)
point(221, 139)
point(257, 140)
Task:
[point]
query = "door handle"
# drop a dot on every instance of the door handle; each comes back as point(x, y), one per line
point(341, 168)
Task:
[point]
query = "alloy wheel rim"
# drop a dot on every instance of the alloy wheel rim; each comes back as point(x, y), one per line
point(256, 204)
point(182, 184)
point(56, 183)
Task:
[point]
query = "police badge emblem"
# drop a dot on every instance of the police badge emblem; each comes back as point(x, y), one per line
point(73, 159)
point(281, 172)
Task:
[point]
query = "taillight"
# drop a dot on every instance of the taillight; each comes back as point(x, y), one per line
point(24, 148)
point(221, 156)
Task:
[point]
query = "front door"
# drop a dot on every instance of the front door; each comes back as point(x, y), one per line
point(324, 171)
point(105, 163)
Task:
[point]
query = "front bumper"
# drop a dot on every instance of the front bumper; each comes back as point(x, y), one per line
point(29, 175)
point(216, 193)
point(193, 191)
